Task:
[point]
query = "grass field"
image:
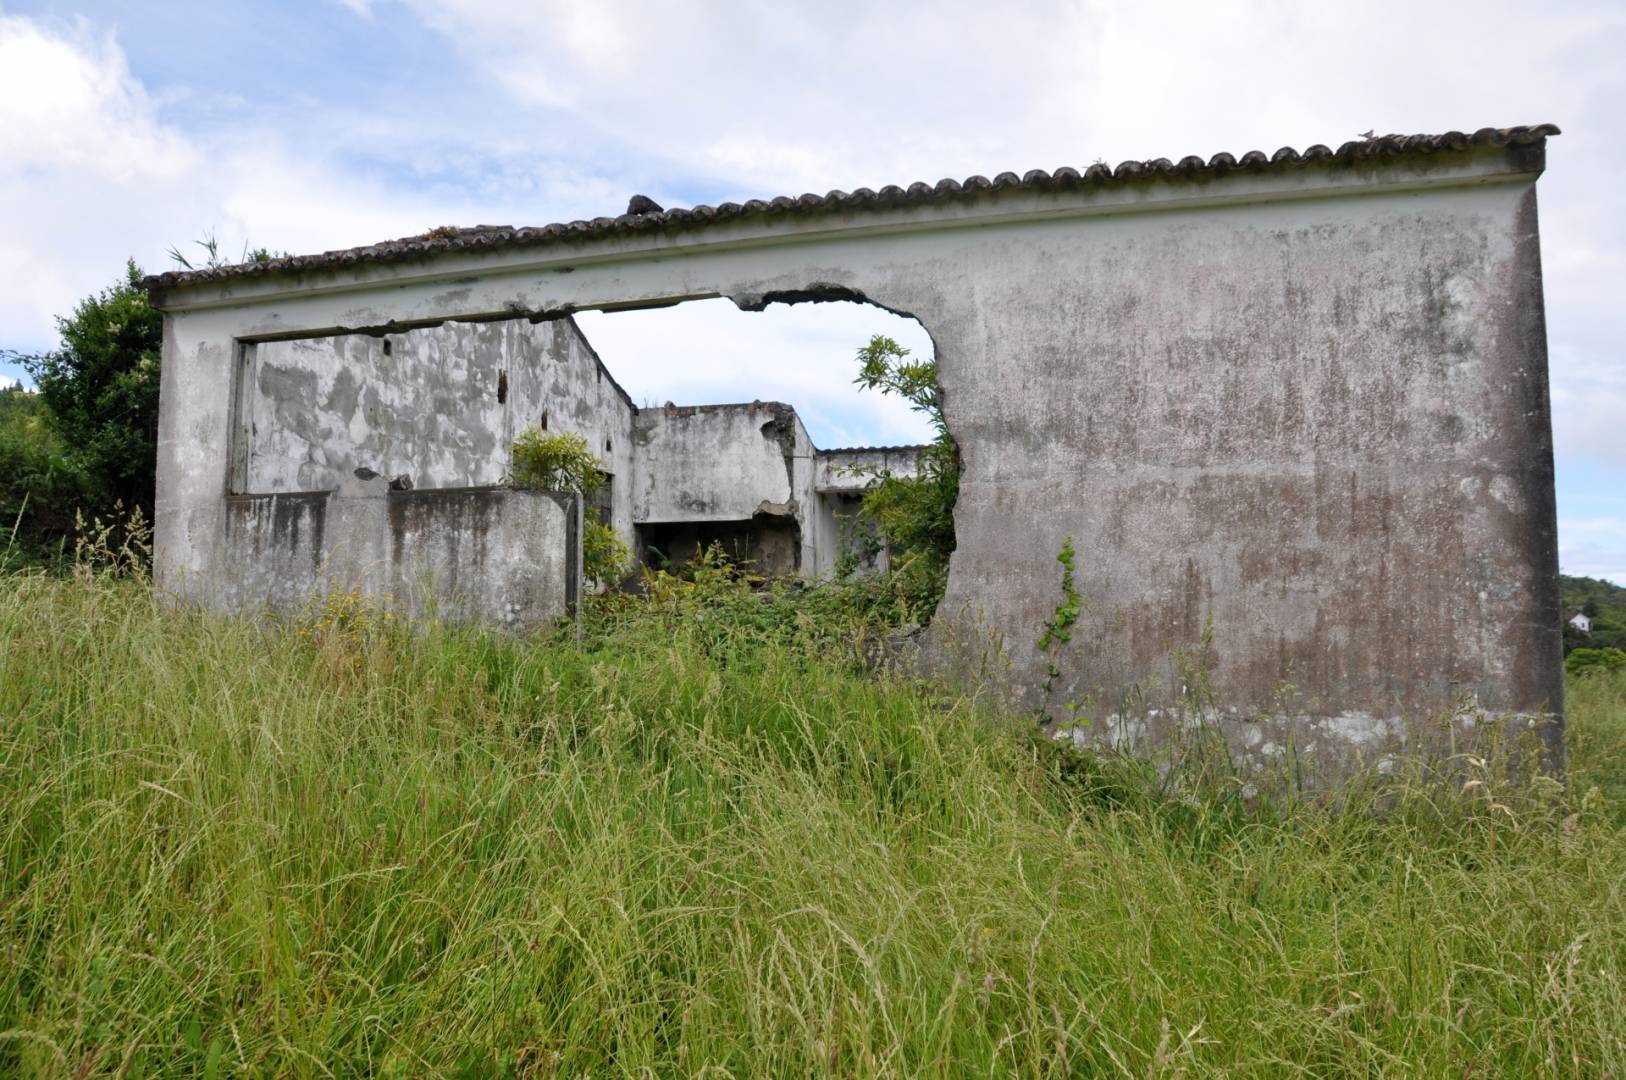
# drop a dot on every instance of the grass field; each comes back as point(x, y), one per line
point(702, 845)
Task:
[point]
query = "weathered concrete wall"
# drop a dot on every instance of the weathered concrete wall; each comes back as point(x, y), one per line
point(714, 462)
point(1320, 429)
point(578, 395)
point(1295, 418)
point(430, 404)
point(439, 405)
point(510, 558)
point(840, 477)
point(728, 464)
point(738, 463)
point(849, 469)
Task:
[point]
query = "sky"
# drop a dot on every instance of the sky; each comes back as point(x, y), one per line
point(127, 129)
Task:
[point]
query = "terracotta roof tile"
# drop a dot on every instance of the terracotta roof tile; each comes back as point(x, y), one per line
point(642, 219)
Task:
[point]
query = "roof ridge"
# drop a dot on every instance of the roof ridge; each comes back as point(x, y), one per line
point(455, 238)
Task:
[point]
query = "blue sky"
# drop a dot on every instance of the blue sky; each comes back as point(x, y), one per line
point(127, 128)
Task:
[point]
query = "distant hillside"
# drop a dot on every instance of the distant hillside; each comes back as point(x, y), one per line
point(1604, 602)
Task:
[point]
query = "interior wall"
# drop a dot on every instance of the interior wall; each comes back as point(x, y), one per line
point(438, 405)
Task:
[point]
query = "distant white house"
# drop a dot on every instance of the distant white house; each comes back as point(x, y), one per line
point(1581, 622)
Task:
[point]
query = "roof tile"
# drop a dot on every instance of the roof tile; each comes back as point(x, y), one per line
point(1099, 174)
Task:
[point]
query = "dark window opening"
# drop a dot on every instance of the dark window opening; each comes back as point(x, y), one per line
point(602, 502)
point(769, 547)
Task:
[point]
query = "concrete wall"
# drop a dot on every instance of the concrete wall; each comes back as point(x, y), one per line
point(431, 404)
point(578, 395)
point(742, 463)
point(849, 469)
point(439, 405)
point(1295, 420)
point(509, 558)
point(714, 462)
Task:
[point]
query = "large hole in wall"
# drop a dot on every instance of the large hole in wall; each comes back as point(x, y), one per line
point(713, 424)
point(752, 433)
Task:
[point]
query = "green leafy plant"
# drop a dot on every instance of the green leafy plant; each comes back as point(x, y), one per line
point(100, 390)
point(1059, 629)
point(915, 514)
point(564, 461)
point(41, 486)
point(606, 558)
point(556, 461)
point(1584, 661)
point(1060, 626)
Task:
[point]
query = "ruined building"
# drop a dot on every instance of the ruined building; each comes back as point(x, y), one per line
point(1291, 410)
point(421, 423)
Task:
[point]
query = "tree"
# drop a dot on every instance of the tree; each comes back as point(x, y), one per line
point(101, 389)
point(914, 513)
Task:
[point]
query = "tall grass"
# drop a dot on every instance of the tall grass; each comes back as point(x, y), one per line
point(698, 845)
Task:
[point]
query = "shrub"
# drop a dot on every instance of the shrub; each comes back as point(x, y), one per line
point(915, 514)
point(561, 461)
point(1582, 661)
point(606, 558)
point(101, 390)
point(40, 486)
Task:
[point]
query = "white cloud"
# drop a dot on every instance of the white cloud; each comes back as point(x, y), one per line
point(1593, 547)
point(113, 179)
point(90, 174)
point(708, 351)
point(78, 146)
point(568, 106)
point(1589, 407)
point(847, 93)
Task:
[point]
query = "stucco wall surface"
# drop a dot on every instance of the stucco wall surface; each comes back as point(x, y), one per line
point(713, 462)
point(1295, 422)
point(439, 405)
point(509, 558)
point(849, 470)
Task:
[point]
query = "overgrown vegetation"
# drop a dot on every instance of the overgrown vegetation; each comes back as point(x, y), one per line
point(211, 256)
point(41, 486)
point(1059, 629)
point(100, 392)
point(556, 461)
point(1584, 661)
point(914, 515)
point(563, 461)
point(707, 839)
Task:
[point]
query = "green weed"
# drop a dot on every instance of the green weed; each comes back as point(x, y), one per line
point(705, 840)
